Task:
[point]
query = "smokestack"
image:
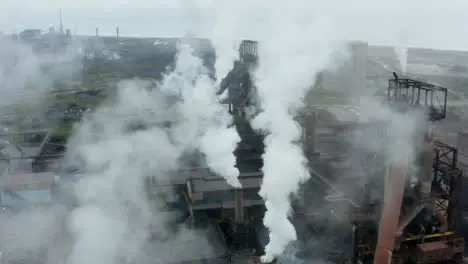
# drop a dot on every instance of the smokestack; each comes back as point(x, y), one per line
point(97, 32)
point(117, 32)
point(388, 227)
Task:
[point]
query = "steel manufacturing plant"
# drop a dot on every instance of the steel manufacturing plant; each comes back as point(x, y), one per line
point(384, 187)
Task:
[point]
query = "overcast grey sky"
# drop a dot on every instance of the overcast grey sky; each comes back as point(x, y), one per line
point(134, 17)
point(430, 23)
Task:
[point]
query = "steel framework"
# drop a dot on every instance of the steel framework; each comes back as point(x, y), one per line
point(419, 224)
point(409, 92)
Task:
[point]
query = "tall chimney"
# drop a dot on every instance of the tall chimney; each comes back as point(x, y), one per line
point(117, 32)
point(97, 32)
point(388, 226)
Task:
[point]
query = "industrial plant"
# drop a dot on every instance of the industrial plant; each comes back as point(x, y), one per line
point(376, 194)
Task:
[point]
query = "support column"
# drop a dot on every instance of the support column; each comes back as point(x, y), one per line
point(239, 205)
point(313, 132)
point(425, 178)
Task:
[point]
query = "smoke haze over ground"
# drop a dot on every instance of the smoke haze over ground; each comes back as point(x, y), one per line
point(112, 197)
point(26, 77)
point(296, 39)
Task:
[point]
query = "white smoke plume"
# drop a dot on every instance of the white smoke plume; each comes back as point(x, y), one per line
point(115, 158)
point(402, 52)
point(225, 35)
point(27, 76)
point(205, 124)
point(293, 47)
point(112, 201)
point(202, 108)
point(113, 206)
point(288, 60)
point(219, 153)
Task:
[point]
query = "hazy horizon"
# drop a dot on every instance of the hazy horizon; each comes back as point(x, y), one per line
point(164, 18)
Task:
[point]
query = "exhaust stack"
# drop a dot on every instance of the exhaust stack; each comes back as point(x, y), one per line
point(388, 226)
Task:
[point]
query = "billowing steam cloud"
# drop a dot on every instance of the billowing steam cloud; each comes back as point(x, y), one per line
point(288, 62)
point(26, 76)
point(402, 52)
point(225, 35)
point(114, 217)
point(293, 47)
point(202, 110)
point(203, 118)
point(118, 159)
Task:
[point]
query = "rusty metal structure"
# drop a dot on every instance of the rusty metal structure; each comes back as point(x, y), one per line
point(416, 219)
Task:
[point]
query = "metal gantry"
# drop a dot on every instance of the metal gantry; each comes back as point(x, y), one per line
point(413, 93)
point(415, 221)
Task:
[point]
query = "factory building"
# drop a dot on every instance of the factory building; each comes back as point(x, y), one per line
point(23, 180)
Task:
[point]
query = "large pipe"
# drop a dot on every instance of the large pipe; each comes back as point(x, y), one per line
point(425, 178)
point(394, 189)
